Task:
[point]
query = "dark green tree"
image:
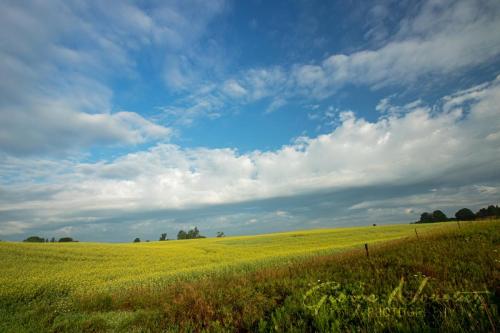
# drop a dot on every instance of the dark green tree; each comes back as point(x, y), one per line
point(34, 239)
point(426, 217)
point(66, 240)
point(181, 234)
point(193, 233)
point(482, 213)
point(439, 216)
point(220, 234)
point(137, 240)
point(465, 214)
point(493, 211)
point(163, 236)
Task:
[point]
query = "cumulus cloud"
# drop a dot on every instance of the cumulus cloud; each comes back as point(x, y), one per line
point(56, 127)
point(457, 145)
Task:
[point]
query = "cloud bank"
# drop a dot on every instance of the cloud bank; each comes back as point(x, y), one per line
point(453, 143)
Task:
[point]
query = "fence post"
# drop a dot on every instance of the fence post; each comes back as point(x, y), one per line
point(366, 248)
point(416, 233)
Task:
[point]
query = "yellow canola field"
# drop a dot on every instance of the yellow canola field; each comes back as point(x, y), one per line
point(28, 269)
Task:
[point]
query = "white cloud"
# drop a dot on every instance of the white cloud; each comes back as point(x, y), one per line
point(385, 107)
point(56, 126)
point(211, 100)
point(441, 38)
point(413, 147)
point(276, 104)
point(264, 82)
point(203, 103)
point(233, 89)
point(59, 58)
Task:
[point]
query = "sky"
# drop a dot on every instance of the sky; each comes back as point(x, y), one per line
point(124, 119)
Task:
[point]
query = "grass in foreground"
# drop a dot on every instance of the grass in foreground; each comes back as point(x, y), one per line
point(442, 281)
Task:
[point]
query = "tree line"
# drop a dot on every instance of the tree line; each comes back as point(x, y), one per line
point(190, 234)
point(464, 214)
point(38, 239)
point(182, 234)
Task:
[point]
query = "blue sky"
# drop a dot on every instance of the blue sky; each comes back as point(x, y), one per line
point(127, 119)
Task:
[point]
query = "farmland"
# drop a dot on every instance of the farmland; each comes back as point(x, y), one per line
point(79, 267)
point(117, 287)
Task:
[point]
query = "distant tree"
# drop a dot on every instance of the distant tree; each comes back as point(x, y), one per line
point(493, 211)
point(191, 234)
point(490, 211)
point(220, 234)
point(465, 214)
point(66, 240)
point(163, 236)
point(482, 213)
point(439, 216)
point(137, 240)
point(426, 217)
point(34, 239)
point(52, 240)
point(181, 234)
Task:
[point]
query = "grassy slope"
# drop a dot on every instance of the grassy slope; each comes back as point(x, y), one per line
point(271, 297)
point(78, 267)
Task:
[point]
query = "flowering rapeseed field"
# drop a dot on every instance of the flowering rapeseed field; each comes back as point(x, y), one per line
point(33, 269)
